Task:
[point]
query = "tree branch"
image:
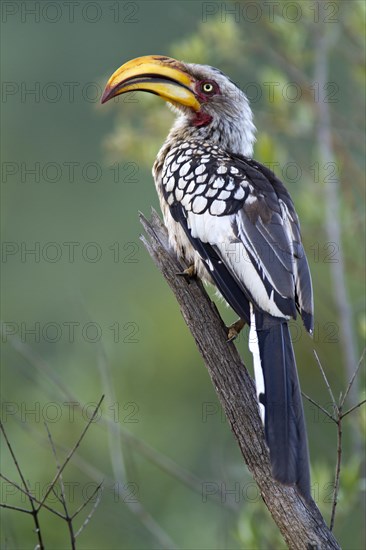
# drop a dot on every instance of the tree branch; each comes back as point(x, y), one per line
point(300, 523)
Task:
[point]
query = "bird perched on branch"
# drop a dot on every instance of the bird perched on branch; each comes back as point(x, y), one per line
point(233, 220)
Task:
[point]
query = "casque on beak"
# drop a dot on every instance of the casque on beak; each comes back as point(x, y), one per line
point(156, 74)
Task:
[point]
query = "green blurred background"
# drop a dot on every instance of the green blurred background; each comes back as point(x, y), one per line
point(86, 313)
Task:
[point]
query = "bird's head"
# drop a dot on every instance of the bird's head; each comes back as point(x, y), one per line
point(210, 104)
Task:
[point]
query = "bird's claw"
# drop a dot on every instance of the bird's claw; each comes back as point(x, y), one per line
point(234, 330)
point(188, 273)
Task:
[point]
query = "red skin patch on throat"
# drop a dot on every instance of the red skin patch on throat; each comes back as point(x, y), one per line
point(201, 119)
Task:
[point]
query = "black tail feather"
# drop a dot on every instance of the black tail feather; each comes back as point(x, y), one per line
point(285, 427)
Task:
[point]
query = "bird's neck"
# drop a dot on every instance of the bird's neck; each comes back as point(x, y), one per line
point(234, 136)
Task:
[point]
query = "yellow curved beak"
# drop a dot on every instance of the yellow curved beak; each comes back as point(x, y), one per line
point(156, 74)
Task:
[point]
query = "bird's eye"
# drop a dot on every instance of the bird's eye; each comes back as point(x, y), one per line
point(207, 87)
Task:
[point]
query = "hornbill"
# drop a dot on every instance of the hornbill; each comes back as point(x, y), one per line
point(233, 220)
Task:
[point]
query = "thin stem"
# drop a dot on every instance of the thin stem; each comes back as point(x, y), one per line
point(57, 495)
point(34, 510)
point(69, 456)
point(82, 506)
point(319, 407)
point(30, 496)
point(350, 384)
point(13, 456)
point(338, 421)
point(24, 510)
point(61, 498)
point(91, 513)
point(353, 408)
point(337, 472)
point(161, 461)
point(326, 382)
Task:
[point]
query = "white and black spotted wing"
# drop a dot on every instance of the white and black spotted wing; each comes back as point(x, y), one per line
point(243, 213)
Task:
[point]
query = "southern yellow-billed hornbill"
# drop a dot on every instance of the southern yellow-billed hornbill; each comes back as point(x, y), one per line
point(234, 221)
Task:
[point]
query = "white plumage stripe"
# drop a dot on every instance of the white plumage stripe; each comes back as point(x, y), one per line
point(258, 371)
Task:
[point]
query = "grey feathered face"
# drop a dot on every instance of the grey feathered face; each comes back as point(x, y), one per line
point(224, 115)
point(217, 94)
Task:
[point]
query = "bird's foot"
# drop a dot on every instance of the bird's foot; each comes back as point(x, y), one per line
point(188, 273)
point(234, 330)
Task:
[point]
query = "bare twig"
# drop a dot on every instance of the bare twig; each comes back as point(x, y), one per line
point(58, 478)
point(34, 509)
point(28, 494)
point(354, 408)
point(69, 456)
point(337, 418)
point(350, 384)
point(84, 504)
point(319, 407)
point(337, 473)
point(341, 415)
point(334, 402)
point(92, 511)
point(55, 493)
point(163, 462)
point(167, 465)
point(62, 497)
point(24, 510)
